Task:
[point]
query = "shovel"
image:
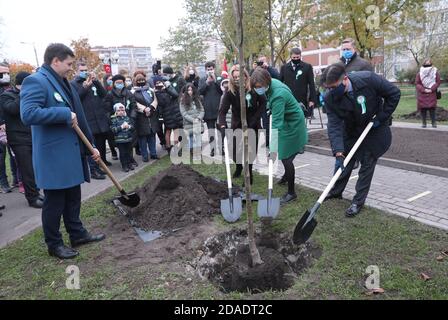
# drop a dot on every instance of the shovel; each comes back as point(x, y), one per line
point(128, 199)
point(231, 208)
point(270, 207)
point(308, 223)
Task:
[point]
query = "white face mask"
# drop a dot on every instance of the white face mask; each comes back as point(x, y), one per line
point(6, 78)
point(128, 82)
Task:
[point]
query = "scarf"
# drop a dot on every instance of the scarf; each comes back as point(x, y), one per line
point(428, 76)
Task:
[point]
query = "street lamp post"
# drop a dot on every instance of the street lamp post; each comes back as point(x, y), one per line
point(35, 51)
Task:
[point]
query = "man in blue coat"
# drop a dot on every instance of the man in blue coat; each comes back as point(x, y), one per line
point(52, 107)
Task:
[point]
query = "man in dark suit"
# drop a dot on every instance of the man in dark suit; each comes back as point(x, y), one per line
point(299, 77)
point(50, 104)
point(353, 100)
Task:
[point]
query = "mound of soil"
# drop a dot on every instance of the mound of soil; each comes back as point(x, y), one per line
point(176, 198)
point(441, 115)
point(225, 261)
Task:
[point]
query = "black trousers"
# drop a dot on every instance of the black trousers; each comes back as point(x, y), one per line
point(125, 153)
point(368, 163)
point(161, 133)
point(290, 173)
point(211, 124)
point(100, 143)
point(65, 203)
point(112, 144)
point(432, 113)
point(24, 160)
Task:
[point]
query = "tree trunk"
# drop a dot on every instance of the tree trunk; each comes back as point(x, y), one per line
point(255, 255)
point(271, 36)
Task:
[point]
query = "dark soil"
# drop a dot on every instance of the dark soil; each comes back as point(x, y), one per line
point(177, 197)
point(413, 145)
point(225, 260)
point(441, 115)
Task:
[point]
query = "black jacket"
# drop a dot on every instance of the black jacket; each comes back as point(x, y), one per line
point(346, 120)
point(300, 80)
point(125, 97)
point(16, 131)
point(255, 108)
point(92, 103)
point(356, 63)
point(168, 105)
point(146, 125)
point(178, 83)
point(211, 97)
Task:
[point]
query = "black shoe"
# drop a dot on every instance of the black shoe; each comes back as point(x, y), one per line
point(353, 210)
point(114, 157)
point(333, 196)
point(130, 166)
point(282, 181)
point(97, 176)
point(288, 198)
point(237, 174)
point(89, 238)
point(156, 157)
point(145, 159)
point(107, 163)
point(5, 189)
point(63, 252)
point(134, 163)
point(2, 207)
point(38, 203)
point(212, 153)
point(125, 169)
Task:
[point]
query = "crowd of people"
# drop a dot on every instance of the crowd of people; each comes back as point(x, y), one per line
point(129, 112)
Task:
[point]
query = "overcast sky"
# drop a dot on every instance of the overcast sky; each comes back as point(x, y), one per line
point(107, 23)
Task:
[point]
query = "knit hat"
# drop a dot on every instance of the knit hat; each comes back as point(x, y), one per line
point(156, 79)
point(168, 70)
point(118, 105)
point(20, 77)
point(118, 77)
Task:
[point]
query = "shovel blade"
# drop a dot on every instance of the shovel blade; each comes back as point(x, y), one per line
point(303, 231)
point(130, 200)
point(231, 213)
point(268, 208)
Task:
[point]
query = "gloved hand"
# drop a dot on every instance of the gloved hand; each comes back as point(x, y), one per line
point(339, 162)
point(376, 124)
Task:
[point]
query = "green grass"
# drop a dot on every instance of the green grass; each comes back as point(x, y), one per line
point(402, 249)
point(408, 103)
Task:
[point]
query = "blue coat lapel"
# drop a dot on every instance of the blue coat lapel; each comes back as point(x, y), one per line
point(56, 86)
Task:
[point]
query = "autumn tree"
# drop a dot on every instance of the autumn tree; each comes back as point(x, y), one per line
point(184, 45)
point(83, 52)
point(16, 67)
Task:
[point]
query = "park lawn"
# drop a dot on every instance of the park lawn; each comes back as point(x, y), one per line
point(408, 103)
point(402, 249)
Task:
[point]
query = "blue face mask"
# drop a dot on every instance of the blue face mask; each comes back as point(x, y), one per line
point(119, 86)
point(338, 92)
point(347, 54)
point(261, 91)
point(83, 74)
point(109, 83)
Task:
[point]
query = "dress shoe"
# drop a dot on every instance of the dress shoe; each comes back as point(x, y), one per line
point(333, 196)
point(107, 163)
point(87, 239)
point(282, 181)
point(134, 163)
point(155, 157)
point(353, 210)
point(287, 198)
point(63, 252)
point(5, 189)
point(130, 166)
point(97, 176)
point(38, 203)
point(125, 169)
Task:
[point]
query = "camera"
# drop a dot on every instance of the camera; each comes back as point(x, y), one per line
point(260, 63)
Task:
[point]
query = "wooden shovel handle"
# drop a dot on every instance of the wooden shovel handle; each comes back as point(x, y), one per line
point(101, 163)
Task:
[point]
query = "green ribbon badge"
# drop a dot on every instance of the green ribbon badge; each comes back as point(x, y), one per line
point(58, 97)
point(94, 91)
point(298, 74)
point(248, 98)
point(362, 102)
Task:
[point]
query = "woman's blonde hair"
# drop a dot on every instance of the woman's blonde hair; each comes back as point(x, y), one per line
point(233, 85)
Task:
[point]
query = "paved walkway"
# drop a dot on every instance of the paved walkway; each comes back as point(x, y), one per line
point(19, 219)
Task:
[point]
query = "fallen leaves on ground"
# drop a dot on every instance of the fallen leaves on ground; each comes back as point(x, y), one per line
point(375, 291)
point(425, 277)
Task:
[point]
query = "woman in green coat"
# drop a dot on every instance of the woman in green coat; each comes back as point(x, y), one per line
point(289, 121)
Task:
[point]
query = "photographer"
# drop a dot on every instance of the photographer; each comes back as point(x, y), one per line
point(263, 62)
point(210, 89)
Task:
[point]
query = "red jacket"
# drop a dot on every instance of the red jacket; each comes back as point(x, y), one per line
point(426, 100)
